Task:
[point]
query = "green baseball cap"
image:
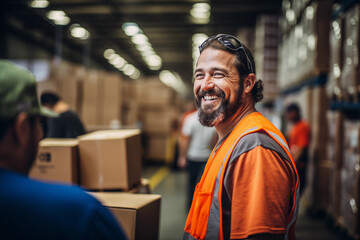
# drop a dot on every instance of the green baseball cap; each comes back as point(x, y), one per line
point(18, 92)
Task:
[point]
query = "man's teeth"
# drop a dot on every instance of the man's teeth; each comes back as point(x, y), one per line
point(212, 97)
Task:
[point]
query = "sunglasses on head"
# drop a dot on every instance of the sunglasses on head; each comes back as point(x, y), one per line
point(231, 43)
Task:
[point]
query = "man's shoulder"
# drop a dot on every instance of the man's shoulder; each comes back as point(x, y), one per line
point(53, 194)
point(256, 139)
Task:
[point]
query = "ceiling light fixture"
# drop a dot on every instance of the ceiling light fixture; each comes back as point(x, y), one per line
point(39, 4)
point(78, 31)
point(143, 45)
point(201, 13)
point(58, 17)
point(131, 29)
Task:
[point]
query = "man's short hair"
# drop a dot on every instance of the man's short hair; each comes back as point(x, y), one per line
point(293, 107)
point(241, 66)
point(49, 98)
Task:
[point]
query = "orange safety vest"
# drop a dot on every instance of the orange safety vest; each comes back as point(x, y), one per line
point(197, 220)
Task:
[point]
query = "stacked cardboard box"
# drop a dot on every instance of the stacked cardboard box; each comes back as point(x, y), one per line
point(158, 115)
point(91, 97)
point(335, 155)
point(350, 77)
point(138, 214)
point(110, 159)
point(336, 59)
point(305, 44)
point(57, 160)
point(266, 54)
point(350, 178)
point(111, 99)
point(65, 79)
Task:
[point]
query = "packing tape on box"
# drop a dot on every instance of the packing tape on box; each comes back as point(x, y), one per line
point(98, 151)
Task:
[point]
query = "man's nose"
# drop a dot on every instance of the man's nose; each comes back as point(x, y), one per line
point(207, 83)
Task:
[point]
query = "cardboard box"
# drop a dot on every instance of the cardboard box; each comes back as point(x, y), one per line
point(111, 98)
point(336, 138)
point(158, 148)
point(335, 193)
point(349, 208)
point(336, 58)
point(351, 70)
point(152, 93)
point(110, 159)
point(138, 214)
point(320, 186)
point(91, 98)
point(57, 160)
point(160, 122)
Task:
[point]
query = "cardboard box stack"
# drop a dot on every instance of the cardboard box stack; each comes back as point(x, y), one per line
point(266, 54)
point(335, 155)
point(158, 114)
point(57, 161)
point(336, 59)
point(110, 159)
point(138, 214)
point(304, 43)
point(350, 178)
point(65, 79)
point(350, 76)
point(102, 101)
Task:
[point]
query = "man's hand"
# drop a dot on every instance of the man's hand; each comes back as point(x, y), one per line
point(182, 162)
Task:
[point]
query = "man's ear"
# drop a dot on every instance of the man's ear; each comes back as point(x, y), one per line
point(249, 83)
point(21, 129)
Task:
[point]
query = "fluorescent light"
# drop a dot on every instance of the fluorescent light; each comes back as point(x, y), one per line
point(64, 21)
point(201, 13)
point(130, 70)
point(139, 39)
point(144, 47)
point(118, 61)
point(79, 32)
point(153, 60)
point(131, 29)
point(56, 14)
point(59, 17)
point(39, 4)
point(108, 53)
point(135, 75)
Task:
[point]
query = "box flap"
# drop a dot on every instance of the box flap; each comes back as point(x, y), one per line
point(110, 134)
point(59, 142)
point(125, 200)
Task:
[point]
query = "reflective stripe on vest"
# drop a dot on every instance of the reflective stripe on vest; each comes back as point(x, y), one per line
point(198, 217)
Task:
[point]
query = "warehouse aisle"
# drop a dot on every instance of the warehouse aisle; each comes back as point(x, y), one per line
point(173, 210)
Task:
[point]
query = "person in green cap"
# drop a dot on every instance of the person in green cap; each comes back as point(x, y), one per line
point(30, 209)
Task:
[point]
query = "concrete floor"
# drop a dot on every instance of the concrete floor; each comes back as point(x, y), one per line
point(174, 212)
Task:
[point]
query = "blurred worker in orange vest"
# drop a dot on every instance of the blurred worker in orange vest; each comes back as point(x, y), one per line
point(299, 140)
point(249, 188)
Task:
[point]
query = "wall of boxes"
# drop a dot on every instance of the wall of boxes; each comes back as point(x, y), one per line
point(319, 69)
point(104, 100)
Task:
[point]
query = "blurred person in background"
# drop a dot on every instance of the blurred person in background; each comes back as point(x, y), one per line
point(299, 141)
point(195, 144)
point(68, 124)
point(189, 108)
point(30, 209)
point(249, 188)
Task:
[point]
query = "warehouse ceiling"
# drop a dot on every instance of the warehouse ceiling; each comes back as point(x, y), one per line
point(167, 24)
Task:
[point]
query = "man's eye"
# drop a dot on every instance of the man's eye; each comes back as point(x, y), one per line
point(218, 74)
point(199, 75)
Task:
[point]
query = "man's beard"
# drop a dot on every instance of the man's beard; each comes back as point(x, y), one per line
point(223, 112)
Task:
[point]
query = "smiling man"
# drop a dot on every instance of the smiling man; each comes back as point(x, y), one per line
point(249, 188)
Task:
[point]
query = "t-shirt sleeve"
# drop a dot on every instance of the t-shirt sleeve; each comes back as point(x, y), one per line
point(102, 225)
point(186, 128)
point(260, 185)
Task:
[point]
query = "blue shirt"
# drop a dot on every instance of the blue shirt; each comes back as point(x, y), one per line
point(34, 210)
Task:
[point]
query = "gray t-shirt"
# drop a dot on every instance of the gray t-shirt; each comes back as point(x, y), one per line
point(201, 138)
